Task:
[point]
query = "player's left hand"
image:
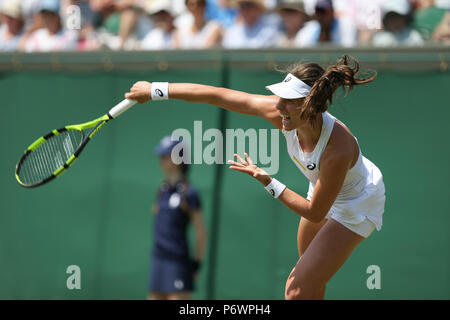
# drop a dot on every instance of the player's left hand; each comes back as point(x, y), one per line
point(250, 168)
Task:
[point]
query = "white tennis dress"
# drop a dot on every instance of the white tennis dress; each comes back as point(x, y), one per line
point(360, 203)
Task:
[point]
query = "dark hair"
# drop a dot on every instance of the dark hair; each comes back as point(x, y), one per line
point(200, 1)
point(324, 83)
point(409, 18)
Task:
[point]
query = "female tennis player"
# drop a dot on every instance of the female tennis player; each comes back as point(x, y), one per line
point(346, 196)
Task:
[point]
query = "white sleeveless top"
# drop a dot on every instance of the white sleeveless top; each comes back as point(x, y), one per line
point(362, 194)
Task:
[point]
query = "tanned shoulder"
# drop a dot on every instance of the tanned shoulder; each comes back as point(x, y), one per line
point(341, 145)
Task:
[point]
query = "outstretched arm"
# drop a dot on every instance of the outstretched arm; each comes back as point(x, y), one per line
point(232, 100)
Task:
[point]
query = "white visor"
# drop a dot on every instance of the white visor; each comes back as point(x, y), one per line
point(291, 88)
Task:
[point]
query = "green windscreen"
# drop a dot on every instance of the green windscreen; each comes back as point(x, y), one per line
point(97, 215)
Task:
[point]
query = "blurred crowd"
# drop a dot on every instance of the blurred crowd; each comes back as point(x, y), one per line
point(86, 25)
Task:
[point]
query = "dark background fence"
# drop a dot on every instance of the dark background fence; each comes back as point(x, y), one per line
point(97, 215)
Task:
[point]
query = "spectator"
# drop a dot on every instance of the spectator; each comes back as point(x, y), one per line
point(32, 18)
point(442, 31)
point(309, 7)
point(30, 13)
point(82, 25)
point(427, 17)
point(104, 27)
point(130, 19)
point(222, 11)
point(253, 29)
point(364, 14)
point(51, 37)
point(420, 4)
point(396, 20)
point(200, 33)
point(326, 28)
point(160, 37)
point(293, 16)
point(12, 29)
point(120, 23)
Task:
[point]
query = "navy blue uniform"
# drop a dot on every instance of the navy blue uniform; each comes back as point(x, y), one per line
point(172, 266)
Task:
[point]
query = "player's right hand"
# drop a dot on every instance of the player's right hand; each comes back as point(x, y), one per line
point(250, 168)
point(140, 92)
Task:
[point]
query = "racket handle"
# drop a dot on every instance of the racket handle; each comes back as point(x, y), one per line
point(121, 108)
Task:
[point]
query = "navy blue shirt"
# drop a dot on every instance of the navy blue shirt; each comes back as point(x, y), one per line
point(172, 219)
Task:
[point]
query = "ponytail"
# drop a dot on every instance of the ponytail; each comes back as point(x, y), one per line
point(342, 74)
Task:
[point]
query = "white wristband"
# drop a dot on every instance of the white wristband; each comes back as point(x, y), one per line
point(160, 90)
point(275, 188)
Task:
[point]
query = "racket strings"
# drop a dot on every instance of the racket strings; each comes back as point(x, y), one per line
point(50, 156)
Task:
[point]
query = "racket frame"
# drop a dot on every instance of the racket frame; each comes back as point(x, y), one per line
point(94, 124)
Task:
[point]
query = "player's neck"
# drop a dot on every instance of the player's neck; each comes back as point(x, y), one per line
point(309, 135)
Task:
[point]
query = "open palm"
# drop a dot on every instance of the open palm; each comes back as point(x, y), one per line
point(250, 168)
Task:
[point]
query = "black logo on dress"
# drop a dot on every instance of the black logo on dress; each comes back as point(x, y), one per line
point(159, 92)
point(311, 166)
point(287, 79)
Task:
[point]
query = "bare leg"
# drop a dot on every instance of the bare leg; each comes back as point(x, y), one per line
point(157, 296)
point(186, 295)
point(307, 230)
point(326, 253)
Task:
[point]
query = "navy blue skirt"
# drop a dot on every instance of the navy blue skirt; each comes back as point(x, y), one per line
point(169, 276)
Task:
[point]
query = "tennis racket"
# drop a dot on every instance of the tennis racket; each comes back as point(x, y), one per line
point(51, 155)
